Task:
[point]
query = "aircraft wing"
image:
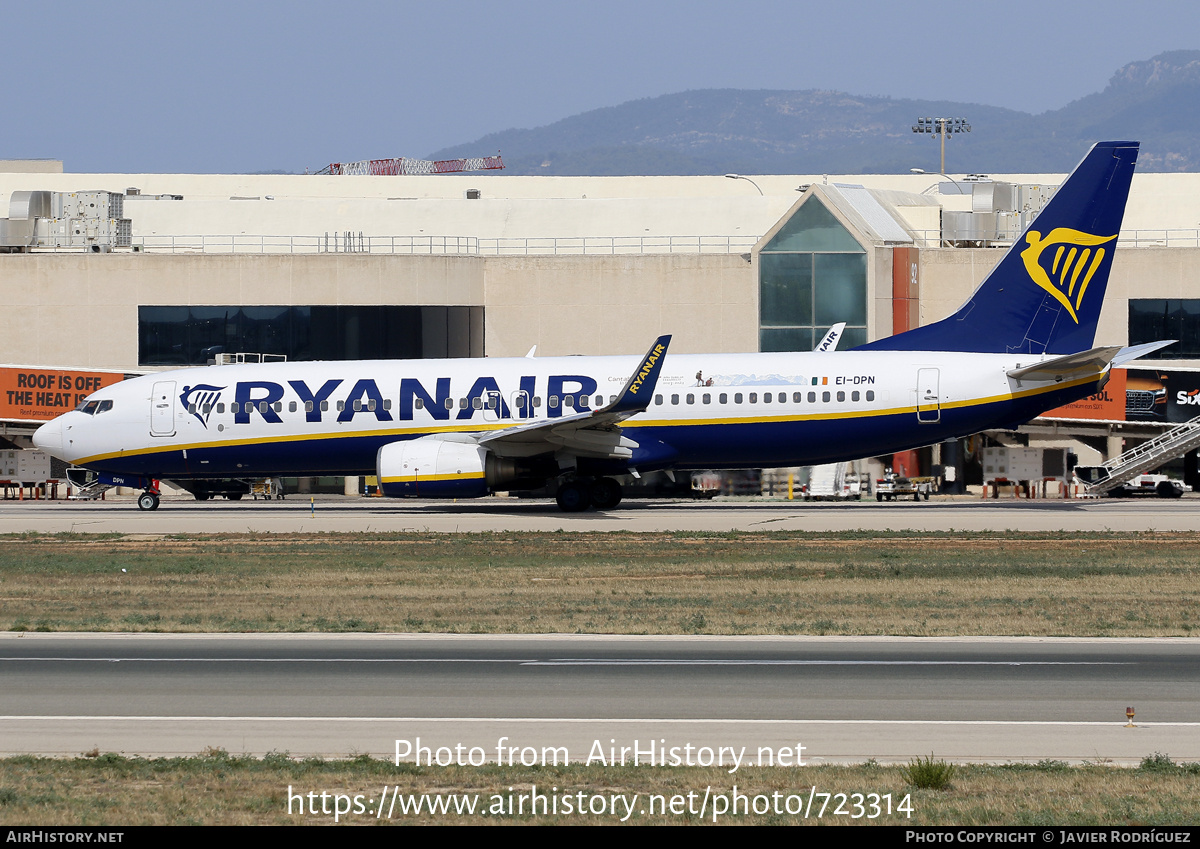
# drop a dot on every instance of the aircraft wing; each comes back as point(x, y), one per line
point(595, 433)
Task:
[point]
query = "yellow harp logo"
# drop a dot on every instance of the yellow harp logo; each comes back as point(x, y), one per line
point(1072, 267)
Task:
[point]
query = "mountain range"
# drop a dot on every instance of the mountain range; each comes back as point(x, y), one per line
point(718, 131)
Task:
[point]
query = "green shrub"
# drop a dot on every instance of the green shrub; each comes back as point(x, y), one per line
point(928, 774)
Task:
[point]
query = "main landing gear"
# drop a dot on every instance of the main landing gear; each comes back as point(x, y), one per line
point(578, 494)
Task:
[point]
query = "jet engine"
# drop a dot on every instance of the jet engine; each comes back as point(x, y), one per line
point(441, 467)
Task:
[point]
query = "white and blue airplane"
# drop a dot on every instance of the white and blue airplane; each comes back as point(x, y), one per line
point(1022, 344)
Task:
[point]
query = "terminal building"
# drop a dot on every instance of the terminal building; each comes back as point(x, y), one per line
point(116, 274)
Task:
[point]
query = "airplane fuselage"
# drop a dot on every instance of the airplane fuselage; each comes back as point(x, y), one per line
point(709, 411)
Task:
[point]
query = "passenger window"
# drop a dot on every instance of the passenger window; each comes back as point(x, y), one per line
point(279, 406)
point(357, 405)
point(706, 399)
point(841, 396)
point(691, 399)
point(192, 408)
point(675, 400)
point(599, 400)
point(491, 402)
point(462, 403)
point(854, 395)
point(233, 408)
point(737, 397)
point(825, 397)
point(387, 403)
point(612, 399)
point(341, 406)
point(449, 404)
point(537, 401)
point(419, 403)
point(870, 394)
point(371, 405)
point(753, 397)
point(568, 400)
point(658, 399)
point(476, 403)
point(797, 397)
point(812, 397)
point(325, 407)
point(554, 402)
point(263, 406)
point(221, 407)
point(308, 406)
point(206, 409)
point(723, 398)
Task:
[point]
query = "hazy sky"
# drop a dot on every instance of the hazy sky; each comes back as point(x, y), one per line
point(253, 85)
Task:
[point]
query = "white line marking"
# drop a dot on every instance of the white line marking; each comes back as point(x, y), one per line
point(592, 720)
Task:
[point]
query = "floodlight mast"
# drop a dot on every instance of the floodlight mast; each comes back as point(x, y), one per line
point(941, 127)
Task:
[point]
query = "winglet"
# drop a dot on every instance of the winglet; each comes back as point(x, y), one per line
point(829, 341)
point(639, 389)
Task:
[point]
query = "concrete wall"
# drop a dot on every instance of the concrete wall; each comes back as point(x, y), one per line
point(81, 309)
point(619, 304)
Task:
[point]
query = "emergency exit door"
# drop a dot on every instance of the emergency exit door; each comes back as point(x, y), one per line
point(929, 402)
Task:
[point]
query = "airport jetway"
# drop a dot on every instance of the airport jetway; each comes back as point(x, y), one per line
point(1148, 456)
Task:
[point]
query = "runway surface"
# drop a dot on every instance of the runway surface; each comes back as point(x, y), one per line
point(337, 514)
point(842, 700)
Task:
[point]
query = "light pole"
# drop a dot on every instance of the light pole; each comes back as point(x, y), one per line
point(941, 127)
point(947, 176)
point(747, 179)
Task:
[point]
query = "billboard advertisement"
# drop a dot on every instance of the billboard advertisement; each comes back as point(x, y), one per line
point(40, 394)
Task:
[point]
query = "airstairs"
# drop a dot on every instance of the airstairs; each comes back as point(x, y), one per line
point(825, 481)
point(1149, 455)
point(86, 483)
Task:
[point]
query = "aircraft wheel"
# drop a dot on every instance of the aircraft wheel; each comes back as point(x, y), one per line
point(925, 495)
point(573, 497)
point(234, 496)
point(606, 494)
point(148, 501)
point(879, 497)
point(1166, 489)
point(202, 496)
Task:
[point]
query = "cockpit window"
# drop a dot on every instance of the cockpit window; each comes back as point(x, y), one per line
point(88, 407)
point(104, 407)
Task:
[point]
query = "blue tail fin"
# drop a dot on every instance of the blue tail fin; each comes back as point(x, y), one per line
point(1045, 295)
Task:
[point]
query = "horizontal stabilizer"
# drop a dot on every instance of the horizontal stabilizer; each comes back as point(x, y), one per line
point(1133, 352)
point(1083, 364)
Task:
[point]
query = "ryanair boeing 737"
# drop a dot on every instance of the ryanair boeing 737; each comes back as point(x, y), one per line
point(1022, 344)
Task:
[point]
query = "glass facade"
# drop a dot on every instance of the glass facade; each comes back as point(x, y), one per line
point(811, 275)
point(181, 336)
point(1156, 319)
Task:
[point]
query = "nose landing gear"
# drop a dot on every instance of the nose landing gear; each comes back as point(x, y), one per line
point(149, 499)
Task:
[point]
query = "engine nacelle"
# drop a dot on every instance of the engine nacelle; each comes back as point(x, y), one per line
point(432, 468)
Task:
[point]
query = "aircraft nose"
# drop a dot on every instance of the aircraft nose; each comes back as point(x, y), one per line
point(49, 438)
